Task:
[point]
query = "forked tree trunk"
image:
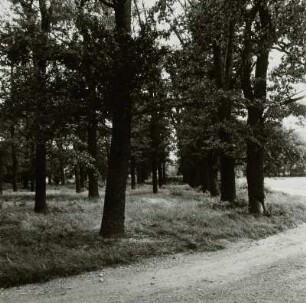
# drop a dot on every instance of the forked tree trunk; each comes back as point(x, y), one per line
point(40, 178)
point(256, 95)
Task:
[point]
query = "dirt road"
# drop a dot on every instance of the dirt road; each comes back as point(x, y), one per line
point(269, 270)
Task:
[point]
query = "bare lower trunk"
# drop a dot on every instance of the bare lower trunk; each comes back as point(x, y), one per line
point(114, 203)
point(154, 175)
point(62, 173)
point(213, 187)
point(77, 179)
point(93, 185)
point(40, 178)
point(160, 175)
point(133, 173)
point(1, 172)
point(14, 166)
point(255, 178)
point(227, 171)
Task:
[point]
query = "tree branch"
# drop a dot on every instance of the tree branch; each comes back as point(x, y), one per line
point(108, 3)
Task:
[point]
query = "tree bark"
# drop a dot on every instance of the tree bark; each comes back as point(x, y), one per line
point(228, 182)
point(164, 172)
point(160, 175)
point(14, 162)
point(223, 76)
point(62, 172)
point(121, 109)
point(82, 177)
point(114, 203)
point(1, 172)
point(93, 184)
point(40, 53)
point(154, 174)
point(133, 173)
point(257, 96)
point(213, 187)
point(40, 178)
point(77, 179)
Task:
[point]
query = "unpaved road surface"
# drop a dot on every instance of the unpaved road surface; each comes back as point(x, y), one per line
point(268, 270)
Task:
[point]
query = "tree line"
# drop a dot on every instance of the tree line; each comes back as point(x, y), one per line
point(98, 90)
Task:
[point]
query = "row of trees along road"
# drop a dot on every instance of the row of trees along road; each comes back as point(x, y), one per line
point(97, 89)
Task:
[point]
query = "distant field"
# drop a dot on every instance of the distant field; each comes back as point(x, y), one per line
point(288, 185)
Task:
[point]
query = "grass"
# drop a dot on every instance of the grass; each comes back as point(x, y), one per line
point(36, 248)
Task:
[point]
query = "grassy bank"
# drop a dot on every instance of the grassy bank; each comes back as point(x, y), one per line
point(35, 248)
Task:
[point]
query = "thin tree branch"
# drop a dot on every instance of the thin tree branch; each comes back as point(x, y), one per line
point(107, 3)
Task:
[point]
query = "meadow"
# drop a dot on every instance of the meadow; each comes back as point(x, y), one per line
point(66, 241)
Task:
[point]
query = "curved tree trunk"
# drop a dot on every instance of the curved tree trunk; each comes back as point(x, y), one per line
point(256, 95)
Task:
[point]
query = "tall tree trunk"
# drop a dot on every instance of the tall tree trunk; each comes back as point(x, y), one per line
point(133, 173)
point(14, 161)
point(25, 179)
point(160, 175)
point(93, 184)
point(40, 178)
point(255, 178)
point(164, 172)
point(77, 179)
point(223, 76)
point(114, 203)
point(50, 180)
point(213, 187)
point(62, 172)
point(228, 182)
point(82, 177)
point(256, 96)
point(1, 172)
point(40, 57)
point(154, 174)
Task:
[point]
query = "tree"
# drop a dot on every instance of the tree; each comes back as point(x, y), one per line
point(262, 30)
point(121, 105)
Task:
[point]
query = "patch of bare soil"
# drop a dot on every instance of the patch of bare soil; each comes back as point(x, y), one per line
point(268, 270)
